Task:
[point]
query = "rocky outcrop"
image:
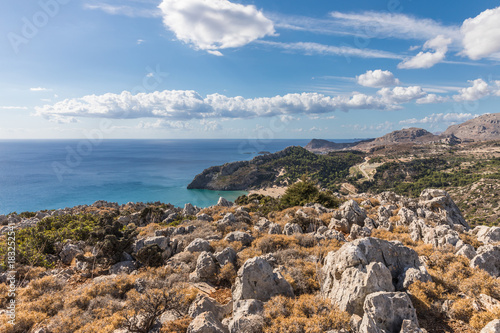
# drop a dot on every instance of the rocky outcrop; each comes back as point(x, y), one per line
point(203, 303)
point(247, 317)
point(440, 203)
point(366, 266)
point(257, 280)
point(486, 234)
point(409, 135)
point(69, 252)
point(386, 312)
point(206, 268)
point(198, 245)
point(239, 236)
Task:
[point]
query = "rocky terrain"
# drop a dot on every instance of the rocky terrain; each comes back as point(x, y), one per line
point(318, 145)
point(382, 263)
point(410, 135)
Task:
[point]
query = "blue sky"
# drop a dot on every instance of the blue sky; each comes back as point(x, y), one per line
point(244, 69)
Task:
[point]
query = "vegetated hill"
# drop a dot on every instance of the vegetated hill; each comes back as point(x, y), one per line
point(483, 128)
point(410, 135)
point(281, 168)
point(319, 145)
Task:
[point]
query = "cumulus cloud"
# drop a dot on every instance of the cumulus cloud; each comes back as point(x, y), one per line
point(164, 124)
point(433, 99)
point(400, 95)
point(377, 79)
point(438, 44)
point(39, 89)
point(13, 108)
point(481, 34)
point(449, 118)
point(215, 24)
point(478, 90)
point(181, 105)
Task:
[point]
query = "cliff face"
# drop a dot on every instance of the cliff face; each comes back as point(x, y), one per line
point(483, 128)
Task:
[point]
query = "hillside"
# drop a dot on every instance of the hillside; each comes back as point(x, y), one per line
point(373, 263)
point(483, 128)
point(405, 136)
point(318, 145)
point(281, 168)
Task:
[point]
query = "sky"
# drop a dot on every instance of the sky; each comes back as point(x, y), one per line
point(244, 69)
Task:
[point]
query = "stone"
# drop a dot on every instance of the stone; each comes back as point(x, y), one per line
point(409, 326)
point(247, 317)
point(359, 232)
point(341, 225)
point(203, 303)
point(224, 203)
point(264, 223)
point(257, 280)
point(162, 241)
point(123, 267)
point(492, 327)
point(488, 303)
point(228, 220)
point(440, 202)
point(239, 236)
point(69, 252)
point(325, 233)
point(206, 268)
point(488, 259)
point(467, 251)
point(199, 245)
point(189, 210)
point(487, 235)
point(411, 275)
point(204, 217)
point(406, 216)
point(274, 229)
point(385, 312)
point(441, 236)
point(291, 229)
point(351, 211)
point(226, 256)
point(350, 273)
point(206, 323)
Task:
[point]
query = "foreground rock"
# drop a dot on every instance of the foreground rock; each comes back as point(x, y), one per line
point(206, 323)
point(492, 327)
point(488, 259)
point(385, 313)
point(366, 266)
point(257, 280)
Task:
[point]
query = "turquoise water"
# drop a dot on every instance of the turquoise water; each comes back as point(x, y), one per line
point(52, 174)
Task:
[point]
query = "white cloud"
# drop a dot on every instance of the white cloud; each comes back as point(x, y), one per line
point(216, 24)
point(438, 44)
point(478, 90)
point(321, 49)
point(39, 89)
point(433, 99)
point(210, 125)
point(400, 95)
point(164, 124)
point(481, 34)
point(377, 79)
point(449, 118)
point(180, 105)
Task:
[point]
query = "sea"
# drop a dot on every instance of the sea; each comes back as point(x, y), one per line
point(51, 174)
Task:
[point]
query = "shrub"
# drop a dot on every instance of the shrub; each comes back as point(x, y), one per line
point(304, 314)
point(150, 255)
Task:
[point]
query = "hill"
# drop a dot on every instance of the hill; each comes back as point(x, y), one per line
point(281, 168)
point(483, 128)
point(319, 145)
point(405, 136)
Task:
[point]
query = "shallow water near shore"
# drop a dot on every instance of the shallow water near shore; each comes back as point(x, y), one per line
point(52, 174)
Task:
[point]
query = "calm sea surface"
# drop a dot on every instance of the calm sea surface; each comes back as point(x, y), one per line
point(52, 174)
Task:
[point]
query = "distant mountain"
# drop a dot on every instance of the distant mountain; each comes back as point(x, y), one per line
point(483, 128)
point(409, 135)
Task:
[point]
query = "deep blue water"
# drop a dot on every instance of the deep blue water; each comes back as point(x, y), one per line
point(52, 174)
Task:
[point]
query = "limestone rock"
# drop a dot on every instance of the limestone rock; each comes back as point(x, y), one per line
point(204, 217)
point(351, 211)
point(341, 225)
point(226, 256)
point(206, 323)
point(406, 216)
point(198, 245)
point(69, 252)
point(247, 317)
point(351, 273)
point(486, 234)
point(203, 303)
point(274, 229)
point(488, 259)
point(257, 280)
point(441, 236)
point(162, 241)
point(492, 327)
point(384, 312)
point(239, 236)
point(292, 228)
point(123, 267)
point(440, 202)
point(206, 268)
point(189, 210)
point(467, 251)
point(224, 203)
